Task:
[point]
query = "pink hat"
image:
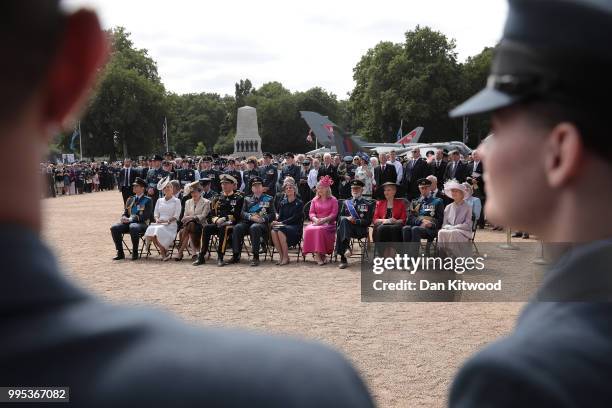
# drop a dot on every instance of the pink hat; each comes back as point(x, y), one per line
point(326, 181)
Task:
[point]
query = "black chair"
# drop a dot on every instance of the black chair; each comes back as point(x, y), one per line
point(129, 248)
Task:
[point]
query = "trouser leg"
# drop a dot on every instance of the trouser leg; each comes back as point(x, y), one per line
point(257, 231)
point(117, 231)
point(238, 233)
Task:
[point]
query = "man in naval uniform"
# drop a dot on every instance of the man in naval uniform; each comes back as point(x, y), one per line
point(355, 217)
point(250, 173)
point(225, 213)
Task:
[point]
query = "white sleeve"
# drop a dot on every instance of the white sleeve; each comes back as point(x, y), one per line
point(197, 175)
point(312, 178)
point(156, 211)
point(177, 209)
point(400, 171)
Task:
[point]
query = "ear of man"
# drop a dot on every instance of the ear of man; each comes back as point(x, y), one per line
point(83, 49)
point(565, 155)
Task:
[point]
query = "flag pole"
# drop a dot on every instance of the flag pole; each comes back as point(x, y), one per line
point(80, 140)
point(166, 125)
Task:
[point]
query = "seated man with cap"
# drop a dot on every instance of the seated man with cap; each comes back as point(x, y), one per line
point(225, 212)
point(425, 215)
point(356, 216)
point(138, 211)
point(257, 213)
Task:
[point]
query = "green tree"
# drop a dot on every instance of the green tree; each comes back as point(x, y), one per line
point(417, 82)
point(200, 149)
point(474, 73)
point(129, 100)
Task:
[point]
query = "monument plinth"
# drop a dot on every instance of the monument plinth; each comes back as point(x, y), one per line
point(247, 141)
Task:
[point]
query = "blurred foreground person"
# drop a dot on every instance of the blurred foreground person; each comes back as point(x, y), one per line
point(549, 97)
point(54, 333)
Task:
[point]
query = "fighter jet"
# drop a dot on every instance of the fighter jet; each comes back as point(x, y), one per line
point(330, 135)
point(334, 139)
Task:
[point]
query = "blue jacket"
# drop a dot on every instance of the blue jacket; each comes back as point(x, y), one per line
point(55, 334)
point(560, 354)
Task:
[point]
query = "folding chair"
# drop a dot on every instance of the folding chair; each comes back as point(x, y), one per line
point(129, 248)
point(474, 229)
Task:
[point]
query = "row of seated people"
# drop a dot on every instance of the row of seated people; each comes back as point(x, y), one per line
point(231, 217)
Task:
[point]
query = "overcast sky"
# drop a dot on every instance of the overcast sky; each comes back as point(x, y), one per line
point(207, 46)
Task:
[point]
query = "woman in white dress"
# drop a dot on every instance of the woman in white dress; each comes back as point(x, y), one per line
point(365, 174)
point(167, 211)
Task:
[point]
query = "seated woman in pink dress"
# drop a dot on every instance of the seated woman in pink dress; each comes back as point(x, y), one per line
point(320, 235)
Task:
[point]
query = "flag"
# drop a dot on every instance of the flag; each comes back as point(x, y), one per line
point(75, 134)
point(165, 132)
point(399, 131)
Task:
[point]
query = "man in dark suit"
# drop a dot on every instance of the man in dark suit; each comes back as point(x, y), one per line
point(114, 356)
point(476, 179)
point(438, 165)
point(550, 106)
point(384, 172)
point(327, 168)
point(455, 169)
point(415, 169)
point(127, 176)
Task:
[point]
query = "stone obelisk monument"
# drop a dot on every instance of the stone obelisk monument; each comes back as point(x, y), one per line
point(247, 141)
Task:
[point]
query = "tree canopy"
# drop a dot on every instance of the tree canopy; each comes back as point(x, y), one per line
point(417, 82)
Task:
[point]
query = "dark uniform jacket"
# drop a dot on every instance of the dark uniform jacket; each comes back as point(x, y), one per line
point(269, 174)
point(460, 173)
point(364, 209)
point(185, 176)
point(384, 174)
point(559, 354)
point(153, 177)
point(263, 205)
point(139, 208)
point(292, 170)
point(213, 175)
point(247, 175)
point(430, 208)
point(228, 207)
point(112, 356)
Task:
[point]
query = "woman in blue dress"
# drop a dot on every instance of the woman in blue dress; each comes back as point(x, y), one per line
point(287, 229)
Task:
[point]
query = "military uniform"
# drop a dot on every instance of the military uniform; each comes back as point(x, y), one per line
point(214, 176)
point(304, 190)
point(345, 169)
point(269, 174)
point(186, 176)
point(362, 211)
point(224, 212)
point(247, 176)
point(428, 208)
point(262, 206)
point(153, 177)
point(138, 210)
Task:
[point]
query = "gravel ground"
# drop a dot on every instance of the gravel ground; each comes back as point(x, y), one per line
point(408, 353)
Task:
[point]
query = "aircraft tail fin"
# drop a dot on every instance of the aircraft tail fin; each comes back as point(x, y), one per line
point(328, 133)
point(413, 136)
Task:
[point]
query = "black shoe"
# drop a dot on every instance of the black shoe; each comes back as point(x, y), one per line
point(201, 259)
point(233, 260)
point(525, 236)
point(517, 235)
point(135, 256)
point(220, 262)
point(255, 262)
point(343, 263)
point(120, 255)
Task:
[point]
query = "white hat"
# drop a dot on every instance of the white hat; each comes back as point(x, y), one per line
point(453, 184)
point(163, 183)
